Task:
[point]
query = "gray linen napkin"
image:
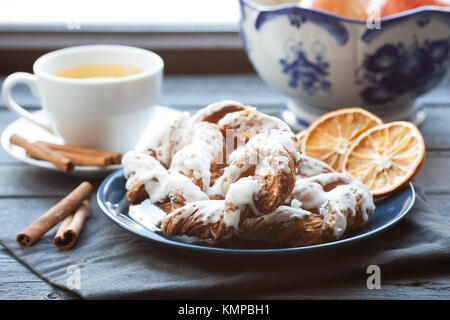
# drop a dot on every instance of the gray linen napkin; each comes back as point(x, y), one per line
point(113, 263)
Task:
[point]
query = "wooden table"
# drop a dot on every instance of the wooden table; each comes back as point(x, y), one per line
point(29, 188)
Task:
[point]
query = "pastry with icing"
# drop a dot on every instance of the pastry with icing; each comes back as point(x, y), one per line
point(229, 171)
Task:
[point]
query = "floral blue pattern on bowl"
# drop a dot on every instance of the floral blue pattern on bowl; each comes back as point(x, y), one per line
point(297, 17)
point(310, 73)
point(383, 70)
point(395, 70)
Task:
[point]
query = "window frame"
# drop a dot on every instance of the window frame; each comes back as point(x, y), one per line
point(186, 49)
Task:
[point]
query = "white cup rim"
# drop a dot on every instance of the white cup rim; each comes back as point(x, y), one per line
point(158, 64)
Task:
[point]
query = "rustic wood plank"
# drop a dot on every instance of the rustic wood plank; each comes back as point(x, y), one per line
point(23, 180)
point(6, 118)
point(439, 95)
point(433, 288)
point(193, 91)
point(198, 90)
point(436, 128)
point(18, 282)
point(435, 173)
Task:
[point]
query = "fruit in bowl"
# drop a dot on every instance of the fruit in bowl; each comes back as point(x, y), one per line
point(390, 7)
point(358, 9)
point(355, 9)
point(325, 61)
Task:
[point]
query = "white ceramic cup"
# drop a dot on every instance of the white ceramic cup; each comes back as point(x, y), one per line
point(105, 113)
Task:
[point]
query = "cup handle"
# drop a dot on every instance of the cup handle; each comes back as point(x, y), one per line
point(29, 80)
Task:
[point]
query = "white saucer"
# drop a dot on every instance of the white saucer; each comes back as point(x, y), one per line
point(32, 132)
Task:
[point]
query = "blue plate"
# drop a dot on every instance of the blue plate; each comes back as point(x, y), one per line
point(111, 199)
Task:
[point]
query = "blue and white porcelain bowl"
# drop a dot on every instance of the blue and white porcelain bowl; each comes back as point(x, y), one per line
point(322, 61)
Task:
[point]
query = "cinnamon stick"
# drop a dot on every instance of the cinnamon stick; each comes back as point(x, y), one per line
point(87, 160)
point(109, 156)
point(60, 211)
point(42, 152)
point(70, 228)
point(83, 159)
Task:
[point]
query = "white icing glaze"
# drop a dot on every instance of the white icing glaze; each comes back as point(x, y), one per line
point(147, 214)
point(308, 166)
point(254, 120)
point(209, 211)
point(342, 198)
point(163, 141)
point(236, 152)
point(141, 167)
point(231, 218)
point(239, 195)
point(340, 224)
point(296, 204)
point(205, 148)
point(242, 192)
point(250, 123)
point(287, 140)
point(262, 152)
point(182, 185)
point(285, 214)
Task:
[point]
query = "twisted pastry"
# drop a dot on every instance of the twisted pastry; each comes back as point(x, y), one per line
point(196, 219)
point(230, 171)
point(145, 176)
point(161, 144)
point(216, 111)
point(322, 208)
point(203, 156)
point(260, 178)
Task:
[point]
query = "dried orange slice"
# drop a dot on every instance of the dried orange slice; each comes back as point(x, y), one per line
point(386, 157)
point(329, 137)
